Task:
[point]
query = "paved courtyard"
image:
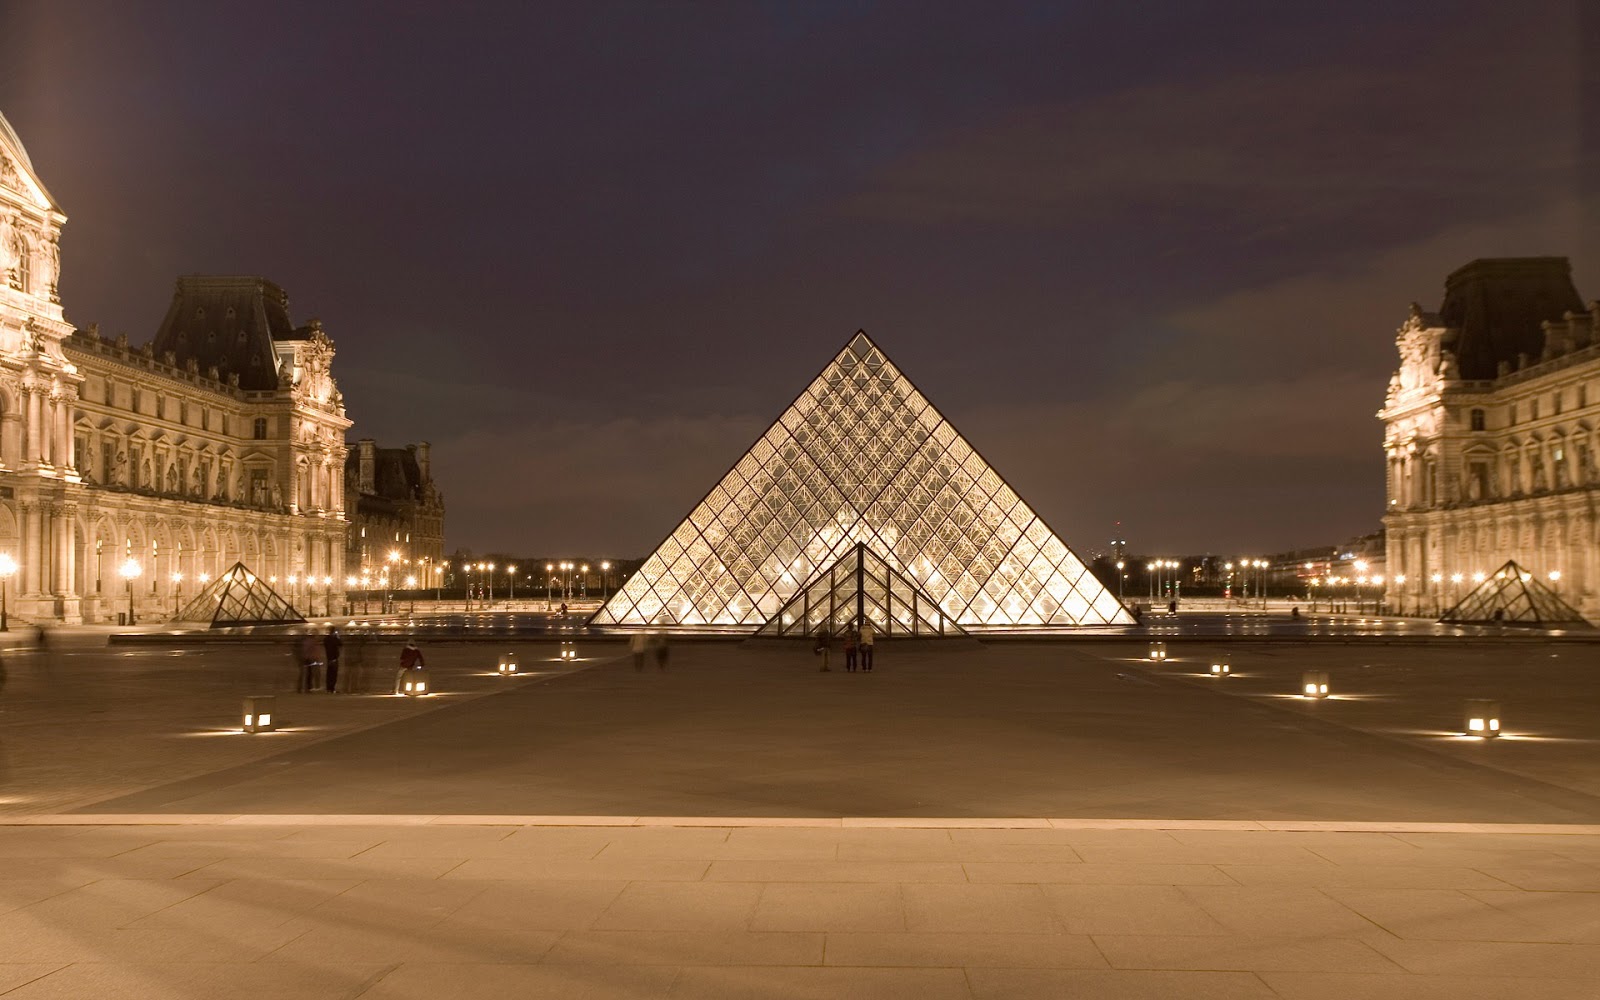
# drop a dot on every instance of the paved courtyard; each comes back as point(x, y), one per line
point(1011, 820)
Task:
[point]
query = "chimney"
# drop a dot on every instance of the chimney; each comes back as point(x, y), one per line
point(369, 465)
point(422, 462)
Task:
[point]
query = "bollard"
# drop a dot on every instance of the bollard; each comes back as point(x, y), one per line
point(508, 665)
point(1220, 668)
point(258, 713)
point(1314, 684)
point(1483, 718)
point(412, 683)
point(1158, 651)
point(569, 651)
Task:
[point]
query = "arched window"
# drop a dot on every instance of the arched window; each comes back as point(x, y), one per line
point(1477, 420)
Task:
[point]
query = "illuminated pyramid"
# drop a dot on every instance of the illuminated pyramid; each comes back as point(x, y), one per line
point(239, 597)
point(862, 459)
point(1513, 597)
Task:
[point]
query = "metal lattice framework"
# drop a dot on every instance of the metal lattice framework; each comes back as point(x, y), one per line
point(861, 458)
point(239, 597)
point(1512, 597)
point(860, 587)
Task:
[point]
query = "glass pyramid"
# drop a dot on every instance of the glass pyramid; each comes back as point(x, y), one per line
point(860, 458)
point(239, 597)
point(1512, 597)
point(860, 586)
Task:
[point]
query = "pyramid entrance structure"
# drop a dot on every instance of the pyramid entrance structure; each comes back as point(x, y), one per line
point(1511, 596)
point(861, 586)
point(862, 477)
point(239, 597)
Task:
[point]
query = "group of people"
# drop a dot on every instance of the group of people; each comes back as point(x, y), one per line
point(317, 659)
point(858, 643)
point(649, 644)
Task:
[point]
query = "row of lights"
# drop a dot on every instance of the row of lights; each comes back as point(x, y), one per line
point(1482, 715)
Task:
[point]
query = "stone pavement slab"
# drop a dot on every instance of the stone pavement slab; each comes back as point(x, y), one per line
point(474, 911)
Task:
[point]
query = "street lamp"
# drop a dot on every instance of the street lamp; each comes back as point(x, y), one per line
point(605, 579)
point(511, 577)
point(8, 566)
point(489, 567)
point(130, 570)
point(411, 585)
point(583, 581)
point(1400, 585)
point(1120, 578)
point(549, 584)
point(349, 585)
point(177, 592)
point(1555, 581)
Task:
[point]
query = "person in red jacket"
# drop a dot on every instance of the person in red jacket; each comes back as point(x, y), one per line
point(410, 659)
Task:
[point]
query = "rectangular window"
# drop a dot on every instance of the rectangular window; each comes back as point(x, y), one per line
point(259, 493)
point(1512, 414)
point(1533, 409)
point(1555, 401)
point(1477, 420)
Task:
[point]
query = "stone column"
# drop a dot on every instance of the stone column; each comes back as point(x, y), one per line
point(30, 425)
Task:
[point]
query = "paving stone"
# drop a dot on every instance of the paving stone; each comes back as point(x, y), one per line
point(931, 949)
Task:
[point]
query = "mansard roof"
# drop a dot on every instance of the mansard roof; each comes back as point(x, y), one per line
point(229, 321)
point(397, 475)
point(1496, 308)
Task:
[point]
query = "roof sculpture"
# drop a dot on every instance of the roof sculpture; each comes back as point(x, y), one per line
point(239, 597)
point(1511, 596)
point(861, 462)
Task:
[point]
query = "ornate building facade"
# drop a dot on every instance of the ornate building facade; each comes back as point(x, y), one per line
point(220, 440)
point(396, 514)
point(1490, 428)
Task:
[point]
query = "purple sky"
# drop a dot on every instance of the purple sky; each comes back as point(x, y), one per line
point(1148, 260)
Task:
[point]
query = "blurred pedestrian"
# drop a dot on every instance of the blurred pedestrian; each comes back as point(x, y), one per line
point(867, 635)
point(332, 645)
point(310, 663)
point(639, 645)
point(661, 652)
point(410, 659)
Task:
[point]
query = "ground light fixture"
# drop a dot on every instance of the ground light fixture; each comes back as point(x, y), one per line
point(415, 683)
point(1483, 718)
point(258, 713)
point(1158, 651)
point(1220, 668)
point(1314, 684)
point(569, 651)
point(508, 665)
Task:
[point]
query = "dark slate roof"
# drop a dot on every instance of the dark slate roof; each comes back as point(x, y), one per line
point(1496, 306)
point(230, 322)
point(396, 475)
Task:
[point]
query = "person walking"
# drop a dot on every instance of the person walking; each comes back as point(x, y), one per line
point(850, 650)
point(331, 646)
point(310, 659)
point(867, 634)
point(410, 659)
point(639, 645)
point(661, 652)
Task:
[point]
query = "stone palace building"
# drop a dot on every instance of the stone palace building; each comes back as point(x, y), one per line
point(1490, 430)
point(137, 473)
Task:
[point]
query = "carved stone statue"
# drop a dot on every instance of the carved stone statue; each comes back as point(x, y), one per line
point(120, 476)
point(144, 474)
point(172, 479)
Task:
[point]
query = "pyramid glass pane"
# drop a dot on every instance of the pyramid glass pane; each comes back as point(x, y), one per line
point(861, 461)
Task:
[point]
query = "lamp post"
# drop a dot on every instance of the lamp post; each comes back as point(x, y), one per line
point(1119, 578)
point(549, 585)
point(349, 585)
point(1400, 589)
point(8, 566)
point(177, 592)
point(511, 580)
point(1150, 578)
point(327, 596)
point(130, 570)
point(438, 583)
point(1555, 581)
point(605, 579)
point(583, 581)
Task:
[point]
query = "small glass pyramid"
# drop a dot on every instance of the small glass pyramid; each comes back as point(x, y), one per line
point(860, 586)
point(1513, 597)
point(239, 597)
point(860, 458)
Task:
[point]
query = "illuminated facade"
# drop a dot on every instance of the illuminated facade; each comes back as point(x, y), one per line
point(1489, 435)
point(396, 513)
point(862, 495)
point(220, 441)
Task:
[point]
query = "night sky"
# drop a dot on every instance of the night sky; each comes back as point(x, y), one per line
point(1149, 258)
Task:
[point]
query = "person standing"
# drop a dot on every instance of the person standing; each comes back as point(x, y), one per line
point(661, 652)
point(331, 646)
point(850, 650)
point(410, 659)
point(310, 657)
point(867, 634)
